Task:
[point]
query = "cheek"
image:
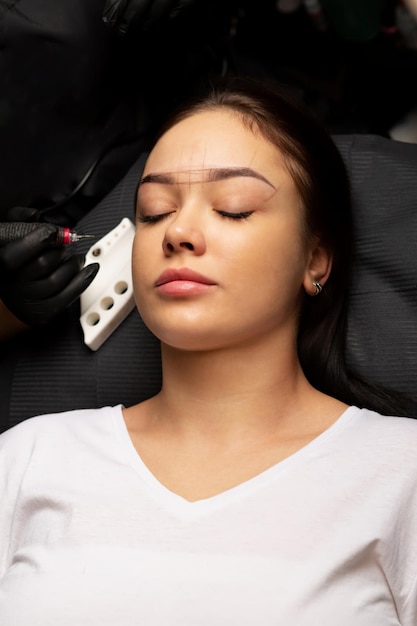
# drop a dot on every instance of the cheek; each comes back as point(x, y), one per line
point(141, 263)
point(275, 280)
point(279, 254)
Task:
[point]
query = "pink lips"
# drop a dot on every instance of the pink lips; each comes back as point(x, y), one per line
point(182, 282)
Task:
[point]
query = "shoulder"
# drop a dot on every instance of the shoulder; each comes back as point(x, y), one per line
point(391, 439)
point(385, 425)
point(51, 428)
point(50, 445)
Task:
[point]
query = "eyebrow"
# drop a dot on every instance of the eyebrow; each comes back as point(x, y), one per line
point(214, 175)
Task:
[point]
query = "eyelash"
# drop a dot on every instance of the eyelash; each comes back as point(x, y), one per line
point(235, 216)
point(152, 219)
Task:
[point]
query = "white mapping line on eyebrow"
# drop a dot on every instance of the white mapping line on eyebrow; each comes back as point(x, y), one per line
point(214, 174)
point(232, 172)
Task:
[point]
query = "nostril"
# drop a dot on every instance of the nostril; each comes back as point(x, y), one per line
point(188, 245)
point(170, 247)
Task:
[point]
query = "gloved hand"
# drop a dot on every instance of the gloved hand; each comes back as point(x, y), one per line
point(37, 280)
point(122, 14)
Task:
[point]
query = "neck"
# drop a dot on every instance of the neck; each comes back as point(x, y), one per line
point(220, 391)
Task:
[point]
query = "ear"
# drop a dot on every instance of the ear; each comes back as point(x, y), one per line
point(318, 268)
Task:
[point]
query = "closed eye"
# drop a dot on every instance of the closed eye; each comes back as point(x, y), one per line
point(151, 219)
point(235, 216)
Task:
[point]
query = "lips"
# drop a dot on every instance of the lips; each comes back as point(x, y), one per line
point(182, 275)
point(180, 283)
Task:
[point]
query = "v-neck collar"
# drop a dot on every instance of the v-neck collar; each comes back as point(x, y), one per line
point(186, 509)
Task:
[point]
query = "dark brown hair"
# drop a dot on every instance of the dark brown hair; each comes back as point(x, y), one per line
point(322, 181)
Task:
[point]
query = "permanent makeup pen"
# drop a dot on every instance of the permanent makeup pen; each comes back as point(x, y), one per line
point(12, 231)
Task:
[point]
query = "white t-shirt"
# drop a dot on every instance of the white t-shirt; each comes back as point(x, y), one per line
point(89, 537)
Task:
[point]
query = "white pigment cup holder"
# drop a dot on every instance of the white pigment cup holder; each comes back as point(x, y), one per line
point(108, 300)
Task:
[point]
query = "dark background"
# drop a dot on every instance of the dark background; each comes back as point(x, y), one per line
point(353, 63)
point(79, 100)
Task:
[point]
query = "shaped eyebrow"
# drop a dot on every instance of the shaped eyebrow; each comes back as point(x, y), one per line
point(213, 175)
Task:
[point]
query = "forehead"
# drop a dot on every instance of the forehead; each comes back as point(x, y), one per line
point(212, 140)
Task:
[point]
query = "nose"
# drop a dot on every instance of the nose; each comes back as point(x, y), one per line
point(183, 237)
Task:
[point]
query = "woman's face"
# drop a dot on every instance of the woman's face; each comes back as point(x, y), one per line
point(219, 256)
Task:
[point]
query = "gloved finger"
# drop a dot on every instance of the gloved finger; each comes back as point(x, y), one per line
point(122, 14)
point(55, 282)
point(38, 312)
point(17, 253)
point(113, 12)
point(43, 265)
point(167, 8)
point(138, 12)
point(23, 214)
point(79, 283)
point(41, 312)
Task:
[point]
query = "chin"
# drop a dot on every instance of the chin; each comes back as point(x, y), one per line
point(181, 330)
point(189, 342)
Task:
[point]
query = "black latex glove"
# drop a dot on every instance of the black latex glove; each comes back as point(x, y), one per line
point(38, 281)
point(123, 14)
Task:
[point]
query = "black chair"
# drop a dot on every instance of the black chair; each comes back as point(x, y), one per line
point(51, 370)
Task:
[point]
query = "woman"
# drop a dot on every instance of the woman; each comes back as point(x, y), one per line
point(251, 489)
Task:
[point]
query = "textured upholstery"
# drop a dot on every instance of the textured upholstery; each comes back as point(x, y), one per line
point(382, 328)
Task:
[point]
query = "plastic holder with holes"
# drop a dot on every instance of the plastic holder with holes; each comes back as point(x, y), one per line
point(108, 300)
